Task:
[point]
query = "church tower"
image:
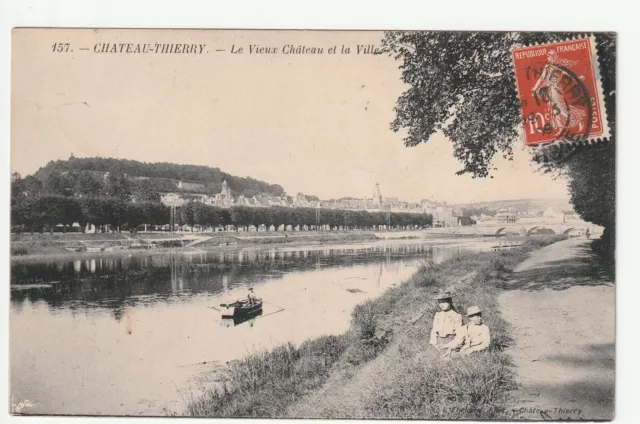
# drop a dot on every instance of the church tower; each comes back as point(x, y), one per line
point(225, 193)
point(377, 197)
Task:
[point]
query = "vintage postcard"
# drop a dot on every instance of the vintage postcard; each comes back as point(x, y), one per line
point(313, 224)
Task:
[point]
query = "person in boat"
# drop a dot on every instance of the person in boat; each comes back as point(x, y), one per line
point(251, 297)
point(472, 337)
point(446, 321)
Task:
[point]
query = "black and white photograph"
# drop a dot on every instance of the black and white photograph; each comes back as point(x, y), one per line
point(306, 224)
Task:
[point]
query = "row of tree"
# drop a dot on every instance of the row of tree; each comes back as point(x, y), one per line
point(36, 212)
point(52, 210)
point(199, 214)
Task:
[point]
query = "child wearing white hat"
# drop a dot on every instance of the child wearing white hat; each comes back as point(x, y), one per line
point(446, 321)
point(472, 337)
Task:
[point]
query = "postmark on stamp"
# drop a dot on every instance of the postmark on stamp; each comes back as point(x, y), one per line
point(560, 94)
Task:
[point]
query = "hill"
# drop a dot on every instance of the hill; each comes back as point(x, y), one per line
point(164, 176)
point(521, 205)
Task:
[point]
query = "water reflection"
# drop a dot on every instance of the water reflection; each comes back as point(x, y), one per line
point(234, 321)
point(146, 319)
point(113, 282)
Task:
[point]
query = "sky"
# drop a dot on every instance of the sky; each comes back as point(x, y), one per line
point(317, 124)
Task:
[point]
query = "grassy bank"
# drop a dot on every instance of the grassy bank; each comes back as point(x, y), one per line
point(32, 247)
point(26, 247)
point(383, 366)
point(289, 238)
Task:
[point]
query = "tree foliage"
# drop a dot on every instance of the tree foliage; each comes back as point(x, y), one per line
point(86, 183)
point(22, 188)
point(117, 184)
point(241, 216)
point(51, 210)
point(57, 183)
point(478, 211)
point(462, 84)
point(163, 176)
point(146, 192)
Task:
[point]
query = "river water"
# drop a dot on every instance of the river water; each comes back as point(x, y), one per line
point(140, 334)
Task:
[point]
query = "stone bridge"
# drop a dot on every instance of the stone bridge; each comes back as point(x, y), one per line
point(577, 228)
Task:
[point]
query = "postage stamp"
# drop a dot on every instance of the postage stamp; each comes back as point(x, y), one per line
point(560, 92)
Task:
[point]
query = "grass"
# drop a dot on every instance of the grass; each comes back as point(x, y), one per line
point(383, 366)
point(28, 237)
point(40, 246)
point(303, 236)
point(43, 247)
point(263, 384)
point(27, 247)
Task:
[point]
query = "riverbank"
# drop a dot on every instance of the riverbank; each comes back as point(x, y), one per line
point(37, 247)
point(568, 370)
point(383, 367)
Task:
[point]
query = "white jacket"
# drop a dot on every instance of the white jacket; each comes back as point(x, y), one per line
point(445, 323)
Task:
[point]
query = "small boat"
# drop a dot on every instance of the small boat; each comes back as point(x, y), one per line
point(242, 308)
point(229, 320)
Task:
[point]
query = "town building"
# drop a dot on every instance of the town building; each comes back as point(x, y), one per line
point(224, 199)
point(443, 215)
point(506, 216)
point(172, 199)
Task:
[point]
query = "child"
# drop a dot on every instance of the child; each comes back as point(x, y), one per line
point(446, 322)
point(473, 337)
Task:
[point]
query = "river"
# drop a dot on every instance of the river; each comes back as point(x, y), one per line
point(140, 334)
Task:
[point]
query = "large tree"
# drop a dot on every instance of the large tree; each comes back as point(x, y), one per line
point(463, 85)
point(86, 183)
point(23, 188)
point(96, 210)
point(117, 184)
point(146, 192)
point(57, 183)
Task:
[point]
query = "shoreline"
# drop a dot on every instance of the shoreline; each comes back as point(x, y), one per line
point(370, 371)
point(41, 248)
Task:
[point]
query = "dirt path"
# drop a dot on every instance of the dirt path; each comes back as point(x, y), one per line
point(561, 305)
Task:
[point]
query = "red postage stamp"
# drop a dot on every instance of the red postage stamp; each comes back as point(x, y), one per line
point(560, 92)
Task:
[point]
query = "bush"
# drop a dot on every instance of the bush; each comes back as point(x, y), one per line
point(169, 243)
point(429, 280)
point(18, 251)
point(264, 383)
point(371, 339)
